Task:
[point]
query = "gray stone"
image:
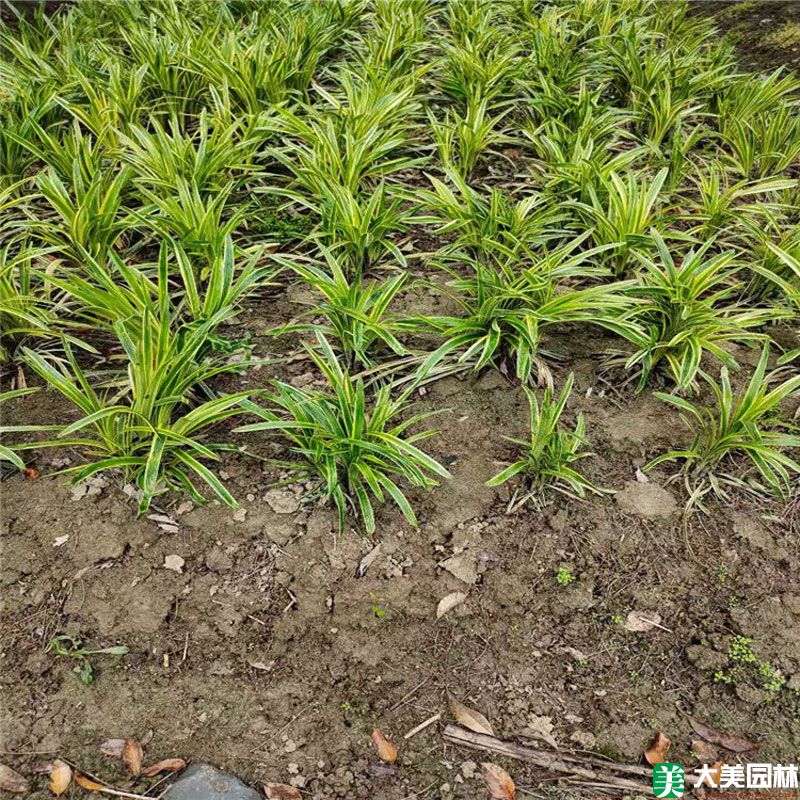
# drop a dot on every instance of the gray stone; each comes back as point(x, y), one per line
point(282, 501)
point(646, 500)
point(462, 566)
point(204, 782)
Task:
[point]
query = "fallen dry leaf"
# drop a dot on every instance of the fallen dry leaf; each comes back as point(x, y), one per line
point(280, 791)
point(165, 765)
point(387, 751)
point(88, 783)
point(704, 751)
point(470, 718)
point(147, 738)
point(31, 473)
point(132, 756)
point(449, 603)
point(368, 560)
point(540, 728)
point(378, 770)
point(736, 744)
point(658, 749)
point(498, 781)
point(12, 781)
point(113, 747)
point(60, 777)
point(642, 621)
point(41, 767)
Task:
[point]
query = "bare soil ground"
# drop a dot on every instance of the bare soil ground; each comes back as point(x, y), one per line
point(269, 656)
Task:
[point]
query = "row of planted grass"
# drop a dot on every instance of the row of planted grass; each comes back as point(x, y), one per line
point(589, 162)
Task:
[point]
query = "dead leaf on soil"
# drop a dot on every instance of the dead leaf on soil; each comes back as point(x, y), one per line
point(280, 791)
point(704, 751)
point(113, 747)
point(367, 561)
point(470, 718)
point(378, 770)
point(658, 749)
point(31, 473)
point(12, 781)
point(449, 603)
point(60, 777)
point(147, 738)
point(736, 744)
point(162, 520)
point(132, 756)
point(88, 783)
point(498, 781)
point(642, 621)
point(165, 765)
point(540, 728)
point(387, 751)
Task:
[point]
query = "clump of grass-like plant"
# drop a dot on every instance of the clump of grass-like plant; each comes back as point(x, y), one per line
point(688, 308)
point(506, 306)
point(548, 455)
point(150, 420)
point(740, 424)
point(356, 444)
point(355, 311)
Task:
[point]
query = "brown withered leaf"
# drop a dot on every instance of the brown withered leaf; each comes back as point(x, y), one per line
point(736, 744)
point(12, 781)
point(642, 621)
point(498, 781)
point(31, 473)
point(60, 777)
point(387, 750)
point(280, 791)
point(147, 738)
point(658, 749)
point(132, 756)
point(378, 770)
point(88, 783)
point(113, 747)
point(41, 767)
point(704, 751)
point(470, 718)
point(165, 765)
point(449, 602)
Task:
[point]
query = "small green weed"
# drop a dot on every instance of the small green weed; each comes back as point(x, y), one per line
point(69, 647)
point(745, 666)
point(564, 577)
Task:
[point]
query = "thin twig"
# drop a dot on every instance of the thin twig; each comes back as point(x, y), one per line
point(423, 725)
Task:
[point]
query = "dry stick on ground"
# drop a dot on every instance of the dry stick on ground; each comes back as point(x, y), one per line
point(104, 788)
point(587, 769)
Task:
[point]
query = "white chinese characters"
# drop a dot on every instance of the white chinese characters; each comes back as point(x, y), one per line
point(750, 776)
